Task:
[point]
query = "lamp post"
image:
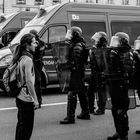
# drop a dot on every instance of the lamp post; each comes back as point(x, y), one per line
point(3, 6)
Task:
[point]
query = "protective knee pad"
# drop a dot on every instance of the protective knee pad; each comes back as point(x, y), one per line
point(71, 106)
point(123, 125)
point(72, 96)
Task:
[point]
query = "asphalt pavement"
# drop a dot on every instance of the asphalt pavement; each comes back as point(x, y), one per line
point(47, 127)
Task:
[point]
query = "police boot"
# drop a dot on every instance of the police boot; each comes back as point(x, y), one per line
point(116, 136)
point(101, 106)
point(84, 115)
point(99, 112)
point(137, 131)
point(71, 106)
point(121, 124)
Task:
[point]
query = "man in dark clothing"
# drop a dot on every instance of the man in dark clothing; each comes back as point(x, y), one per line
point(38, 65)
point(98, 67)
point(119, 82)
point(76, 59)
point(136, 76)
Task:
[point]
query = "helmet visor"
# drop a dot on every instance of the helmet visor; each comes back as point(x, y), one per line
point(114, 41)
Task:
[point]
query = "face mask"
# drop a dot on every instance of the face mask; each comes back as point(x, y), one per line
point(114, 41)
point(68, 35)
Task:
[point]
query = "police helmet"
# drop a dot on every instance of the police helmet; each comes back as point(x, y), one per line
point(137, 43)
point(76, 29)
point(138, 38)
point(123, 35)
point(98, 35)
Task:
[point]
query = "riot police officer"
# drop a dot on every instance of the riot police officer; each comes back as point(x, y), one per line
point(76, 59)
point(97, 83)
point(118, 84)
point(136, 76)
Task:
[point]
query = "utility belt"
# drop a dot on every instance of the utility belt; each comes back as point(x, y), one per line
point(118, 77)
point(113, 76)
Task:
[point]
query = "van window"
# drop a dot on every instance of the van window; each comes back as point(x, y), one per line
point(8, 37)
point(45, 36)
point(89, 28)
point(57, 33)
point(24, 22)
point(131, 28)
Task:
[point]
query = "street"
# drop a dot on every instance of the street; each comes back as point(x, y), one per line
point(47, 127)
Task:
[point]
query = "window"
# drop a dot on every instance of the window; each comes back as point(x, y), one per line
point(125, 2)
point(89, 28)
point(110, 1)
point(39, 2)
point(56, 1)
point(24, 22)
point(57, 34)
point(8, 37)
point(138, 2)
point(131, 28)
point(21, 1)
point(45, 37)
point(89, 1)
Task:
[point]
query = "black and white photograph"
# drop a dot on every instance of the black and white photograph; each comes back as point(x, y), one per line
point(69, 69)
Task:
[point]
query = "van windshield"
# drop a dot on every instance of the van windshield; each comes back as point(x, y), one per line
point(42, 19)
point(23, 32)
point(4, 19)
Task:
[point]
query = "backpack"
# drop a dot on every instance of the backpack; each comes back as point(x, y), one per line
point(11, 80)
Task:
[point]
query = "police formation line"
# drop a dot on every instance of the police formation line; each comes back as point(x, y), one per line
point(114, 68)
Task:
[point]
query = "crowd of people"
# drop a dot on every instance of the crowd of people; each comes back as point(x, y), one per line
point(114, 67)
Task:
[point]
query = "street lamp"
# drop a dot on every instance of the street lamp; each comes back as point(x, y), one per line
point(3, 7)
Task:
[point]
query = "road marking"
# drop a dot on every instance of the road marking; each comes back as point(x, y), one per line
point(43, 105)
point(51, 104)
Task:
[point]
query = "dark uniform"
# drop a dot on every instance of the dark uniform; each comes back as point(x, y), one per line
point(118, 85)
point(38, 65)
point(98, 67)
point(136, 76)
point(76, 59)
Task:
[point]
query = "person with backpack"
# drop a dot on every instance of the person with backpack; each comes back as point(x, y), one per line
point(26, 100)
point(38, 65)
point(136, 76)
point(98, 67)
point(120, 64)
point(76, 59)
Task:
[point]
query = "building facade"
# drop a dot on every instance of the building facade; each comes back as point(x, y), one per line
point(9, 6)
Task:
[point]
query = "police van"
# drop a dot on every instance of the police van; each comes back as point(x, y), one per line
point(53, 22)
point(11, 24)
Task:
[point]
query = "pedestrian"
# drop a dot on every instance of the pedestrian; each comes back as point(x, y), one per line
point(76, 59)
point(120, 69)
point(97, 84)
point(38, 65)
point(136, 76)
point(26, 101)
